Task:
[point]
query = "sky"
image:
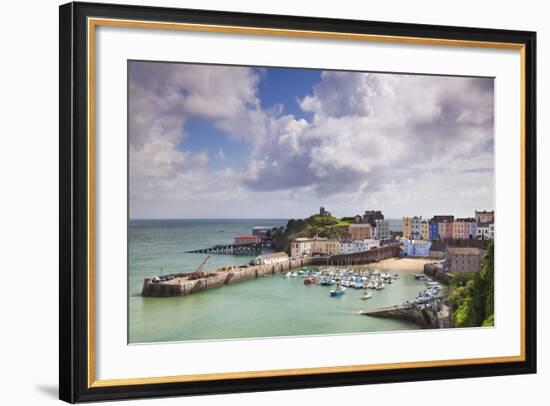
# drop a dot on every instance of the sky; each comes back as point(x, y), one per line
point(215, 141)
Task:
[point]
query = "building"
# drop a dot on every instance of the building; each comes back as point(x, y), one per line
point(464, 259)
point(301, 247)
point(323, 246)
point(323, 212)
point(360, 231)
point(485, 231)
point(365, 245)
point(459, 229)
point(411, 227)
point(443, 218)
point(485, 216)
point(424, 230)
point(346, 247)
point(272, 259)
point(265, 233)
point(247, 239)
point(382, 229)
point(471, 232)
point(445, 230)
point(416, 248)
point(371, 216)
point(434, 230)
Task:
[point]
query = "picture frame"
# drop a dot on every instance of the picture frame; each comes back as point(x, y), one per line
point(78, 162)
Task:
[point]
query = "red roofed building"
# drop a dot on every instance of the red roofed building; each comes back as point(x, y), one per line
point(247, 239)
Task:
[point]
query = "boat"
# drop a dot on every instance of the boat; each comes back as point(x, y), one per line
point(366, 295)
point(380, 286)
point(293, 275)
point(286, 274)
point(339, 291)
point(309, 281)
point(357, 285)
point(371, 285)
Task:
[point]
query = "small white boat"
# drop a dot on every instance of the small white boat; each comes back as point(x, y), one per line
point(380, 286)
point(366, 295)
point(293, 275)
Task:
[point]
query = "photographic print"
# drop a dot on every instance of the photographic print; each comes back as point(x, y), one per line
point(272, 201)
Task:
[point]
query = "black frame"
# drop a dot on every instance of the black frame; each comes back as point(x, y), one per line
point(73, 289)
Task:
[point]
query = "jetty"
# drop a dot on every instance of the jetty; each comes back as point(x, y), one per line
point(435, 315)
point(230, 249)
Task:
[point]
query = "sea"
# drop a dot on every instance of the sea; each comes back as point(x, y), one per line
point(265, 307)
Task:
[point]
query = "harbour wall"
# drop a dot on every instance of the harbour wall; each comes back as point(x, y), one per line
point(422, 315)
point(438, 274)
point(183, 286)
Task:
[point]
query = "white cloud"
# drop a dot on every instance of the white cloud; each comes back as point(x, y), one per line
point(403, 143)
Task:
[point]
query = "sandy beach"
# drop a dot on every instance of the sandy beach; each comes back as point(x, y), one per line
point(402, 264)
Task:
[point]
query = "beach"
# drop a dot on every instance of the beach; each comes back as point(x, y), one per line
point(402, 264)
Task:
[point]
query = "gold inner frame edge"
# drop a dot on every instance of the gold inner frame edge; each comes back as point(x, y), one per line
point(92, 23)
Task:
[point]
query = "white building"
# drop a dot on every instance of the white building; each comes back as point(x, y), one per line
point(416, 248)
point(365, 245)
point(382, 230)
point(346, 247)
point(301, 247)
point(272, 259)
point(485, 231)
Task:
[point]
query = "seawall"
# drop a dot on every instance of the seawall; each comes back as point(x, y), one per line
point(183, 286)
point(423, 315)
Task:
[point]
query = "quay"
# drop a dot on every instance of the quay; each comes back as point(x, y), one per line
point(428, 316)
point(186, 284)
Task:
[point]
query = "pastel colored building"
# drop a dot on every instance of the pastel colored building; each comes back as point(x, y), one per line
point(434, 230)
point(346, 247)
point(411, 227)
point(416, 248)
point(301, 247)
point(325, 246)
point(360, 231)
point(445, 229)
point(382, 230)
point(424, 230)
point(365, 245)
point(459, 229)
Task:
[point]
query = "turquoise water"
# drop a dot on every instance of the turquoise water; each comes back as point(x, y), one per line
point(264, 307)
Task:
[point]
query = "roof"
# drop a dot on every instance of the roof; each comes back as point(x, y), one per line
point(360, 225)
point(247, 236)
point(273, 255)
point(464, 251)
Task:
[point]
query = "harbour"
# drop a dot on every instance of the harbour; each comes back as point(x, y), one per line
point(261, 306)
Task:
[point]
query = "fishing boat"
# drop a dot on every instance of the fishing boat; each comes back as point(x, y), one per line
point(380, 286)
point(366, 295)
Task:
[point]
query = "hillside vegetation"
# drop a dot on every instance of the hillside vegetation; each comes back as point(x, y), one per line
point(316, 225)
point(472, 294)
